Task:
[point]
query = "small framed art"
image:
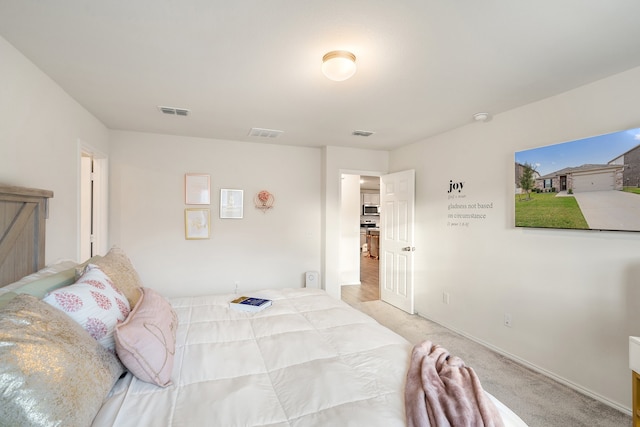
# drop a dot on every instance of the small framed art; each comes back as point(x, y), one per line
point(197, 223)
point(197, 189)
point(231, 203)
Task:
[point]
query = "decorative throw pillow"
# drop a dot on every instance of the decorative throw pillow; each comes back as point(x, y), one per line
point(118, 267)
point(94, 302)
point(146, 341)
point(53, 373)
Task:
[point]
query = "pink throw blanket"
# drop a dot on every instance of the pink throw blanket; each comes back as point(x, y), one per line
point(442, 392)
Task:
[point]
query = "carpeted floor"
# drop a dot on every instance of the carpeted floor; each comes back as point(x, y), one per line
point(536, 398)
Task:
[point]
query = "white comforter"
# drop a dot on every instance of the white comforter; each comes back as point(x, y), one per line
point(308, 360)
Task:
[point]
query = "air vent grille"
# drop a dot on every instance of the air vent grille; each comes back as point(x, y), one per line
point(265, 133)
point(362, 133)
point(174, 111)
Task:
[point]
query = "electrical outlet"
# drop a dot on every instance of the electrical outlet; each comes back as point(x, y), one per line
point(507, 320)
point(445, 297)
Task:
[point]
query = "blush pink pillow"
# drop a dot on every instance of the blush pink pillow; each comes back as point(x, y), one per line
point(146, 340)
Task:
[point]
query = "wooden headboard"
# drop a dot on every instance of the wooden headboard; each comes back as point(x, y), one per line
point(22, 231)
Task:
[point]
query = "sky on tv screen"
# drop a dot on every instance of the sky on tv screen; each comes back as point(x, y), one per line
point(593, 150)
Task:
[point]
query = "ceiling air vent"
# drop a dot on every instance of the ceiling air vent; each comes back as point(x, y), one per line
point(174, 111)
point(265, 133)
point(362, 133)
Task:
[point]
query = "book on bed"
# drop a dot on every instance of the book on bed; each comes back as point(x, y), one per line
point(250, 304)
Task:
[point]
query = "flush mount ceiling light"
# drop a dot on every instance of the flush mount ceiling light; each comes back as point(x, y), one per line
point(339, 65)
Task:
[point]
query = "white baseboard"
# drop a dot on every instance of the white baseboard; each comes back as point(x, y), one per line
point(538, 369)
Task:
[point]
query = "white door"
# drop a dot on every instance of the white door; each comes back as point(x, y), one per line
point(86, 207)
point(92, 232)
point(397, 201)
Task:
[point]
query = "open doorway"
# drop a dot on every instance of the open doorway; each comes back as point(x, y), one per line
point(395, 232)
point(367, 222)
point(92, 187)
point(86, 206)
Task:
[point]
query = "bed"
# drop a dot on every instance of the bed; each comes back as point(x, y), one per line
point(307, 360)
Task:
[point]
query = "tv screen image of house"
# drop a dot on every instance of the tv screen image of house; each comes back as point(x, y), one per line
point(586, 184)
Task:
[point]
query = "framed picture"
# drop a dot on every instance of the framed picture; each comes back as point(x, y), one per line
point(231, 203)
point(586, 184)
point(197, 189)
point(197, 223)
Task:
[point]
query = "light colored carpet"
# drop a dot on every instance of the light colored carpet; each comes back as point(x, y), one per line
point(536, 398)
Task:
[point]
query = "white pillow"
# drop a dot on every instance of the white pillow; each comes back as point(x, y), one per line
point(94, 302)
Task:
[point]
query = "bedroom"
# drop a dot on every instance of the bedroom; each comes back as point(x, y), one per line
point(588, 302)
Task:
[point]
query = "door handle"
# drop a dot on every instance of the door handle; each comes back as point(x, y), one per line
point(409, 248)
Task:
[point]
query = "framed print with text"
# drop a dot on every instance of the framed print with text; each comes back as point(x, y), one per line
point(197, 189)
point(231, 203)
point(197, 224)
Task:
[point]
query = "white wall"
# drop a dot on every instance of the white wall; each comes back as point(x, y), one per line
point(40, 130)
point(336, 161)
point(350, 230)
point(262, 250)
point(574, 295)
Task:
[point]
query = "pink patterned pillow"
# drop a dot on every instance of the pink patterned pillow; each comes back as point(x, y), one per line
point(146, 341)
point(94, 302)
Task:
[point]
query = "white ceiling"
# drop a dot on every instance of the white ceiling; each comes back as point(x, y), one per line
point(424, 66)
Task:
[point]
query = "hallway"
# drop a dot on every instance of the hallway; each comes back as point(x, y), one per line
point(369, 289)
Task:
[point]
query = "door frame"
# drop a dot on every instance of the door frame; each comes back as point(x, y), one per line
point(342, 172)
point(349, 243)
point(99, 200)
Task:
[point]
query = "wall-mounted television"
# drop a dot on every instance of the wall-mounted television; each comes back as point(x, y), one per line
point(586, 184)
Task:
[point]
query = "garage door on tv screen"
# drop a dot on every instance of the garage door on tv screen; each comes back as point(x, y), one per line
point(587, 184)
